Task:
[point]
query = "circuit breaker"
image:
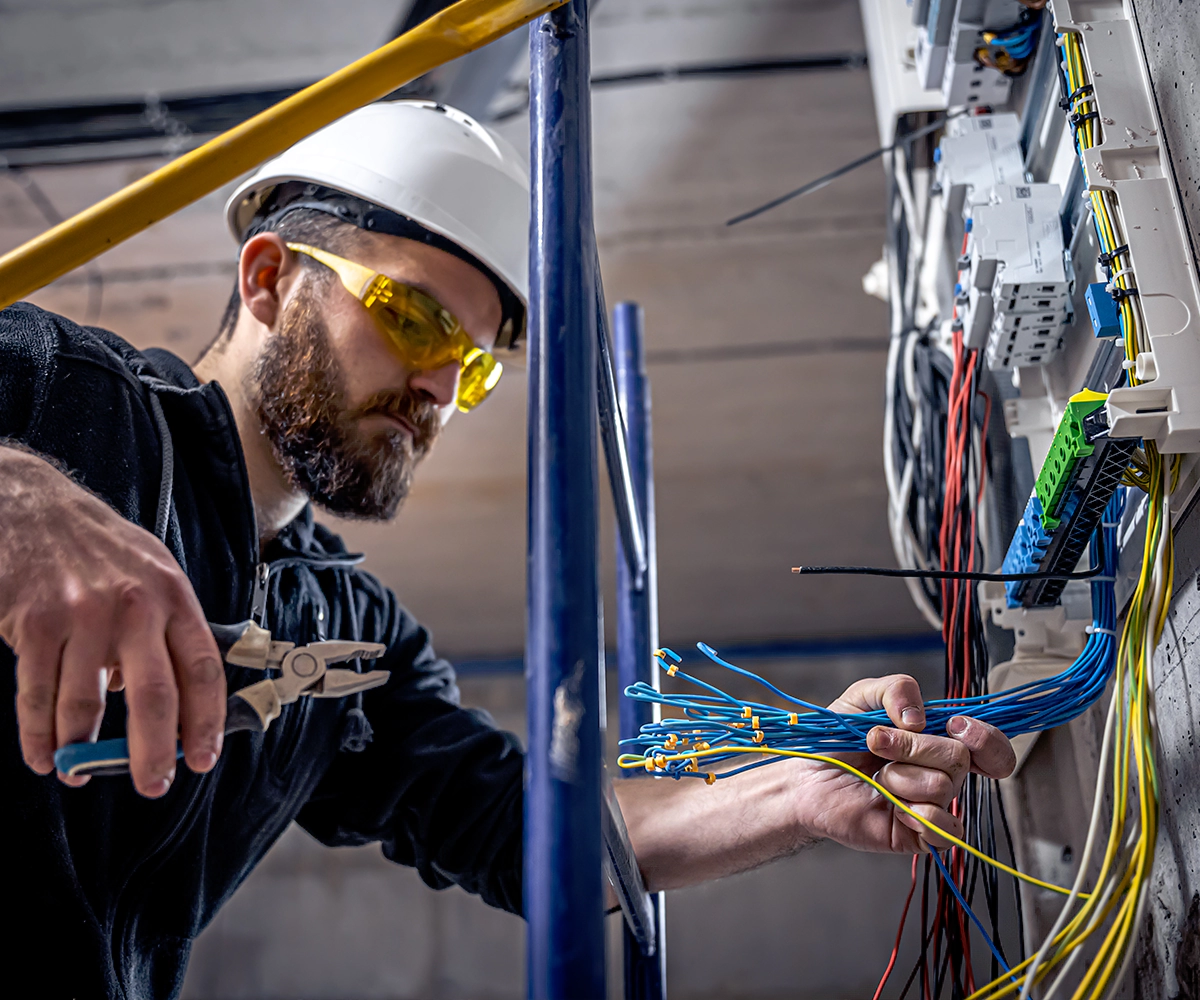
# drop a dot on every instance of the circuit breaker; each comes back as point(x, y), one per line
point(1016, 259)
point(977, 153)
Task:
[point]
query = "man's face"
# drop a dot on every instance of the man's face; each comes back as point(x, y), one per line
point(346, 420)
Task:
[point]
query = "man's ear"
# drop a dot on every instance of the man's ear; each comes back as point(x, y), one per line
point(265, 270)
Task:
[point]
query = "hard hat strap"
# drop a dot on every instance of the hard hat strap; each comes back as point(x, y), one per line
point(295, 196)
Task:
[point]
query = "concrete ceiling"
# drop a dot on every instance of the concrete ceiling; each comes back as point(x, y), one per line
point(766, 455)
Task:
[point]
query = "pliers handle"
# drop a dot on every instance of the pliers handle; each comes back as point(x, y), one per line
point(303, 670)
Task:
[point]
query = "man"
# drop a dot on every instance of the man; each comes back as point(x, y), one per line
point(381, 269)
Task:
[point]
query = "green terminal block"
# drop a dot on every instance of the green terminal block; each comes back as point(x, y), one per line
point(1070, 445)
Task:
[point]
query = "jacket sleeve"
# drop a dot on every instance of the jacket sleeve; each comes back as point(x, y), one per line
point(439, 786)
point(28, 345)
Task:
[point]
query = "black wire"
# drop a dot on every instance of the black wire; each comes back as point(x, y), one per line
point(1012, 857)
point(941, 574)
point(833, 175)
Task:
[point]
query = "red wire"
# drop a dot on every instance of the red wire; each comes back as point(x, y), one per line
point(887, 973)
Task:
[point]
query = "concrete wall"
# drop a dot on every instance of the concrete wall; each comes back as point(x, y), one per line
point(319, 924)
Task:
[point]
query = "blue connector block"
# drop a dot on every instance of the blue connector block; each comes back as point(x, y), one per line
point(1027, 548)
point(1030, 542)
point(1102, 310)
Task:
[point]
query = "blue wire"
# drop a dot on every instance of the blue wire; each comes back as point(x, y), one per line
point(971, 913)
point(715, 717)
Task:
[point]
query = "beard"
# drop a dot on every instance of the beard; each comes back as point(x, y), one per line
point(298, 389)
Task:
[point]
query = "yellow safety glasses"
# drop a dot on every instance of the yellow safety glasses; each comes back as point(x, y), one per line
point(424, 333)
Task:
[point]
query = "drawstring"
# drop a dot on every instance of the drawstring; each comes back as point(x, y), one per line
point(356, 728)
point(166, 481)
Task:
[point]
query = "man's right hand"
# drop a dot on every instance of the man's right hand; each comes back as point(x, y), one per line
point(90, 601)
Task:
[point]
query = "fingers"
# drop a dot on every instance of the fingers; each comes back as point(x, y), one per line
point(201, 679)
point(151, 696)
point(938, 817)
point(898, 694)
point(950, 756)
point(38, 656)
point(81, 685)
point(918, 784)
point(991, 752)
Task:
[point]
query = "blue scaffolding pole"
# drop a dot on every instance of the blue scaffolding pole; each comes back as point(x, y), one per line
point(564, 896)
point(637, 610)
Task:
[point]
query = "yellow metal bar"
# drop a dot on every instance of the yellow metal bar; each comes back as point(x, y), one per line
point(457, 30)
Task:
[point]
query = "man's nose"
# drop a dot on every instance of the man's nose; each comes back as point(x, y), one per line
point(438, 386)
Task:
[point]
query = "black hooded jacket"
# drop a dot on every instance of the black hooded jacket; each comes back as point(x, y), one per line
point(105, 889)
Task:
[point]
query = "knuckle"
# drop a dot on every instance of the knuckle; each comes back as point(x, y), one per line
point(83, 602)
point(132, 595)
point(941, 787)
point(39, 621)
point(80, 707)
point(154, 700)
point(961, 759)
point(173, 585)
point(35, 700)
point(203, 671)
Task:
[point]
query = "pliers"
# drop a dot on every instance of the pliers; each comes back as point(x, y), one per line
point(304, 670)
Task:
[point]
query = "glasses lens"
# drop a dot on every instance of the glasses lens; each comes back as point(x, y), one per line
point(427, 337)
point(479, 376)
point(421, 344)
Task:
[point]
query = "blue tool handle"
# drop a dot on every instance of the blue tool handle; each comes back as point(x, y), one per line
point(101, 758)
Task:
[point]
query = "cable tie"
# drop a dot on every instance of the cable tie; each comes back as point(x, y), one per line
point(1079, 117)
point(1092, 629)
point(1120, 294)
point(1103, 579)
point(1106, 259)
point(1072, 97)
point(1110, 524)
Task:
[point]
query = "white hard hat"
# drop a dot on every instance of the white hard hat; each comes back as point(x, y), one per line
point(456, 179)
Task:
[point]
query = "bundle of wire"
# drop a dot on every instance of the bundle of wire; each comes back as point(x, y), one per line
point(716, 721)
point(1009, 50)
point(1103, 927)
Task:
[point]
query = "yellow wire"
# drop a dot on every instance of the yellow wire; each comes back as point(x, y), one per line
point(630, 761)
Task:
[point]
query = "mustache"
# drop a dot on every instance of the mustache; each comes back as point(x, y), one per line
point(421, 415)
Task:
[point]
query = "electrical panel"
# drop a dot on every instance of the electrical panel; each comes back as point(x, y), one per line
point(1043, 407)
point(1045, 238)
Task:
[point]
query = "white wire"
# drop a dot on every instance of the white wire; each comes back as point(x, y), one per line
point(1088, 847)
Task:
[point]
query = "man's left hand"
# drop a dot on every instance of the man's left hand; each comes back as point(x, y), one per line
point(925, 770)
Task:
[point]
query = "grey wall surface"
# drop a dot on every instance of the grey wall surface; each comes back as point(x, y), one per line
point(318, 924)
point(1168, 961)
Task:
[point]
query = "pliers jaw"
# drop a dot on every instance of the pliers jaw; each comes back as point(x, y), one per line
point(304, 670)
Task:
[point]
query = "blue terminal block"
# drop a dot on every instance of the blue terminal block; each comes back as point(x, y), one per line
point(1102, 310)
point(1027, 548)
